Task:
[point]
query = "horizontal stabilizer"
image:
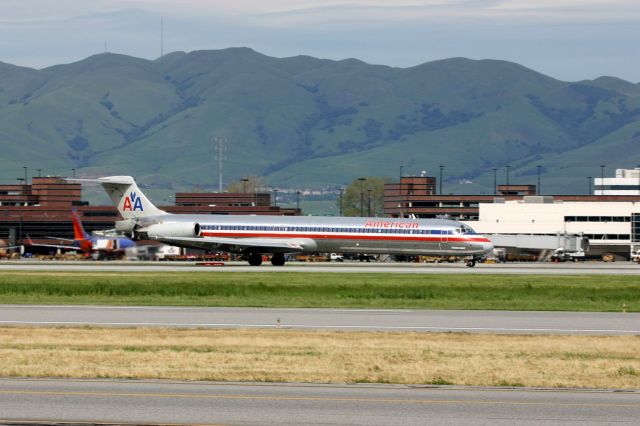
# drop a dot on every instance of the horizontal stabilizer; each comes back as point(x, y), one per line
point(118, 180)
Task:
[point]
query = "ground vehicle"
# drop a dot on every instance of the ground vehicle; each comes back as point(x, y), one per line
point(560, 255)
point(335, 257)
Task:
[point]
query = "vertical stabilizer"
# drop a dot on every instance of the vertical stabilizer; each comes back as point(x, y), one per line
point(126, 195)
point(78, 231)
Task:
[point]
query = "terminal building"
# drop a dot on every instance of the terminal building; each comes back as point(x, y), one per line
point(626, 182)
point(518, 218)
point(611, 227)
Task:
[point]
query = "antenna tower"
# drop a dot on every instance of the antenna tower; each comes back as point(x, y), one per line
point(220, 143)
point(161, 36)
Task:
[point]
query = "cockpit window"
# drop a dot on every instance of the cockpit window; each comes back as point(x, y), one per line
point(464, 229)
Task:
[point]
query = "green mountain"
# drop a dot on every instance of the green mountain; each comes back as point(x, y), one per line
point(307, 122)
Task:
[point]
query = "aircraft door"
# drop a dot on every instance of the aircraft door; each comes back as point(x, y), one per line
point(444, 240)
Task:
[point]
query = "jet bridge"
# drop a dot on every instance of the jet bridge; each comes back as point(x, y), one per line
point(568, 242)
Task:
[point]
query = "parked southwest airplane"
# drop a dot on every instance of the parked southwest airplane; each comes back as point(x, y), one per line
point(101, 247)
point(277, 235)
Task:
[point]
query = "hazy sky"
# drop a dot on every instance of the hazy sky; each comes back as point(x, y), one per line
point(567, 39)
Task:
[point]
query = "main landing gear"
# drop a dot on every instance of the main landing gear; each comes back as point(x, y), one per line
point(255, 259)
point(277, 259)
point(471, 262)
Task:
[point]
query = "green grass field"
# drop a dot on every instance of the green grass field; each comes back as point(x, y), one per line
point(349, 290)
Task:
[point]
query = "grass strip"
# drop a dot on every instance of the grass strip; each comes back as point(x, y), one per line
point(350, 290)
point(322, 357)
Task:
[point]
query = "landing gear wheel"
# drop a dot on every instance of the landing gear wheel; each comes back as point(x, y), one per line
point(471, 263)
point(255, 259)
point(277, 259)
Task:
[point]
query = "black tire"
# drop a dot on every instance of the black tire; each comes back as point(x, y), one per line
point(277, 259)
point(471, 263)
point(255, 259)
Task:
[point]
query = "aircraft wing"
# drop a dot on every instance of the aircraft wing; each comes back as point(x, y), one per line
point(60, 246)
point(60, 239)
point(260, 245)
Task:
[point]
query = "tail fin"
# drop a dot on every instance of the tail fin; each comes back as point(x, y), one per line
point(124, 193)
point(78, 231)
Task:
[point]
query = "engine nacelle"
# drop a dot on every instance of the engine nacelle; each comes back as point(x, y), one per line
point(175, 229)
point(125, 226)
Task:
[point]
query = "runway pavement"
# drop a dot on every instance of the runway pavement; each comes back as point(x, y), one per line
point(581, 268)
point(515, 322)
point(147, 402)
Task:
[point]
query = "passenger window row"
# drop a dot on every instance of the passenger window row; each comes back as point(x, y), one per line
point(324, 229)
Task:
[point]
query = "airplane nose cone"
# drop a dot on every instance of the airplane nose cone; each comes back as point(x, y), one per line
point(487, 246)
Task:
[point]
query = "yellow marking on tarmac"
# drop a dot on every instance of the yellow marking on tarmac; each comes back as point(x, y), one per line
point(84, 423)
point(311, 398)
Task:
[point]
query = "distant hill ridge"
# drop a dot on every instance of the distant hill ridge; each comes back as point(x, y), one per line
point(303, 121)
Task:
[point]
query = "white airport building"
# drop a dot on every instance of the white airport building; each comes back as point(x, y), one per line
point(626, 182)
point(611, 227)
point(518, 219)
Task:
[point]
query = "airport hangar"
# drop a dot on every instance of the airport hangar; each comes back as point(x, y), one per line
point(516, 217)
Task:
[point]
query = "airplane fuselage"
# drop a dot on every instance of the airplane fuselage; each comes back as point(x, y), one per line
point(277, 235)
point(341, 234)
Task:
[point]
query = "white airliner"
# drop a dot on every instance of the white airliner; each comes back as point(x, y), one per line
point(279, 235)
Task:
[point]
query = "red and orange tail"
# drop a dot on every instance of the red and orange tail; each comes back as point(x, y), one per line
point(78, 230)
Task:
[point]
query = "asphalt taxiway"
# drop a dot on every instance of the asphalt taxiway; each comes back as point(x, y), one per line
point(533, 268)
point(149, 402)
point(512, 322)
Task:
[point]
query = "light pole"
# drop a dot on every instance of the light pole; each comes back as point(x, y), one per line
point(361, 196)
point(39, 172)
point(369, 202)
point(441, 169)
point(539, 190)
point(298, 200)
point(341, 191)
point(589, 179)
point(73, 173)
point(26, 180)
point(508, 167)
point(275, 198)
point(602, 179)
point(401, 168)
point(495, 181)
point(244, 184)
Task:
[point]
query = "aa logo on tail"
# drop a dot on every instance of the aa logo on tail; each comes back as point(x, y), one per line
point(132, 203)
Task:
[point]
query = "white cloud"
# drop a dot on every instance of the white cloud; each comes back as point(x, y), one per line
point(569, 39)
point(303, 12)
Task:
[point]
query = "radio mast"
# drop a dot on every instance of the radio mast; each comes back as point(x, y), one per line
point(220, 143)
point(161, 36)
